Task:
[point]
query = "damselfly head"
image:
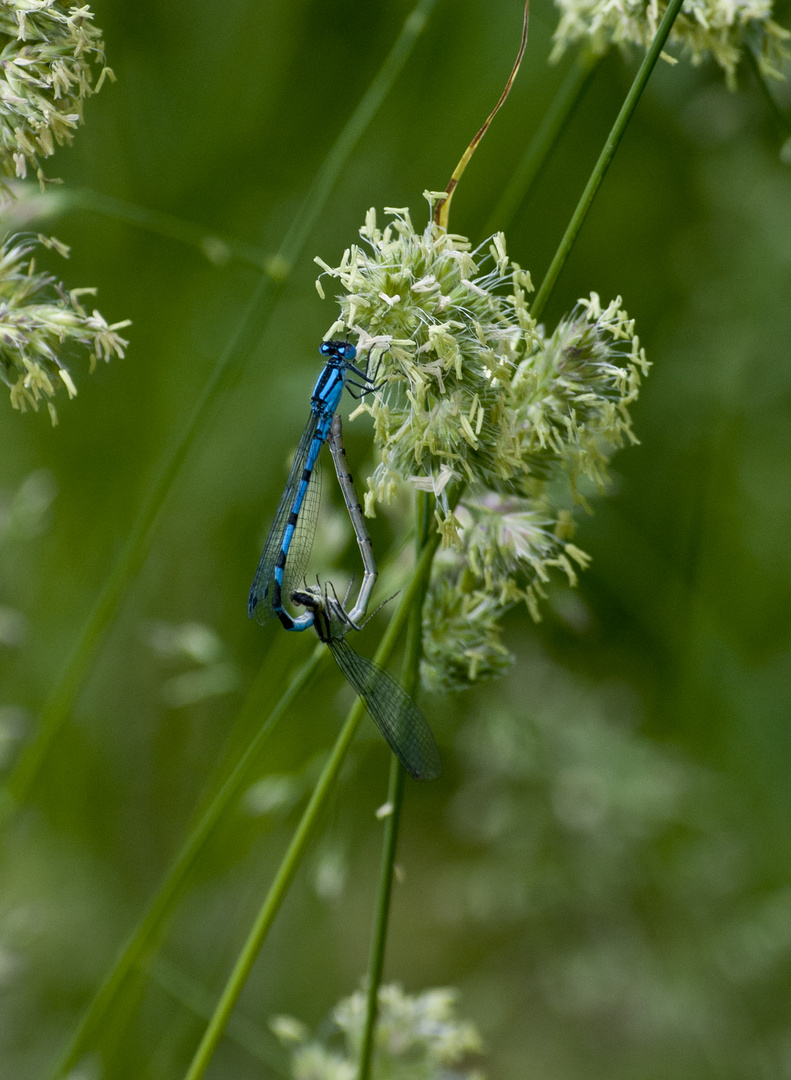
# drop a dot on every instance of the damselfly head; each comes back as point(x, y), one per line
point(341, 350)
point(323, 601)
point(310, 597)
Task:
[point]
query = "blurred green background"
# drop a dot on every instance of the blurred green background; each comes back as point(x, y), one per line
point(604, 868)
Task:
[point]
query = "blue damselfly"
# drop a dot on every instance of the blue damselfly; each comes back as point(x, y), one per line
point(288, 545)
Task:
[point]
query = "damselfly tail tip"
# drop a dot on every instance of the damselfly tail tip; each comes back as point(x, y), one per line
point(430, 771)
point(253, 611)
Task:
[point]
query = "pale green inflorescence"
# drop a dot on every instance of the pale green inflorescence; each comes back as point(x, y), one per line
point(418, 1036)
point(476, 395)
point(42, 325)
point(49, 51)
point(721, 29)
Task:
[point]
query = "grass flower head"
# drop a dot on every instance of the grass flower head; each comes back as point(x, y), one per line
point(42, 326)
point(477, 395)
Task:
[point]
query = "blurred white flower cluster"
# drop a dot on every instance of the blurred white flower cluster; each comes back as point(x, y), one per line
point(42, 325)
point(210, 673)
point(415, 1037)
point(721, 29)
point(629, 881)
point(477, 395)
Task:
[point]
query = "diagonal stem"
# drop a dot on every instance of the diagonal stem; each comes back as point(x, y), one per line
point(606, 156)
point(543, 142)
point(144, 938)
point(217, 249)
point(256, 1040)
point(57, 709)
point(304, 831)
point(395, 801)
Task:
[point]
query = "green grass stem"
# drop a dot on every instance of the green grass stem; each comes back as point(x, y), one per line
point(395, 802)
point(253, 1038)
point(305, 829)
point(606, 156)
point(145, 936)
point(543, 142)
point(217, 249)
point(58, 708)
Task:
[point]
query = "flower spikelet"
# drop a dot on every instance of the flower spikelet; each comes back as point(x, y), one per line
point(507, 551)
point(572, 395)
point(461, 633)
point(42, 326)
point(49, 52)
point(721, 29)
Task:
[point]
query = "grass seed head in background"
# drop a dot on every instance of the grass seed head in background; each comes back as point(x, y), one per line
point(475, 391)
point(42, 325)
point(49, 49)
point(721, 29)
point(48, 52)
point(415, 1037)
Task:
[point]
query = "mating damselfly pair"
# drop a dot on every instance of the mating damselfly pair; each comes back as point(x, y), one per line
point(287, 549)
